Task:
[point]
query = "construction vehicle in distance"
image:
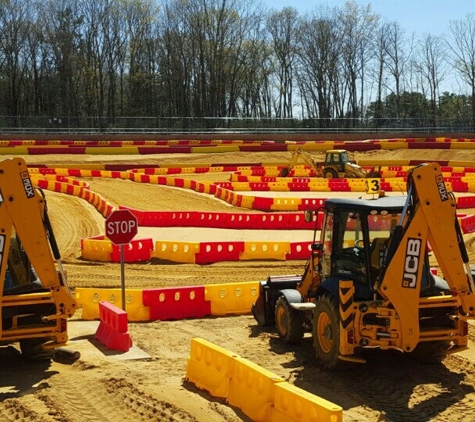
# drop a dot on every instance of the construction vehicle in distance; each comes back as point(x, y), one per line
point(336, 165)
point(368, 282)
point(35, 300)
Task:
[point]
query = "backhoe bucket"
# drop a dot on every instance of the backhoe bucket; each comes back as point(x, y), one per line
point(263, 309)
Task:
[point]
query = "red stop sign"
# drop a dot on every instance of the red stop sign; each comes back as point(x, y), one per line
point(121, 227)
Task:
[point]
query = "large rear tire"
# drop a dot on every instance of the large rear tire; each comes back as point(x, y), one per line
point(326, 332)
point(329, 173)
point(288, 322)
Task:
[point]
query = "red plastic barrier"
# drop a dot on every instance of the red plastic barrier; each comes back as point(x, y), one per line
point(176, 302)
point(339, 185)
point(466, 202)
point(299, 250)
point(467, 224)
point(136, 251)
point(218, 251)
point(299, 186)
point(113, 328)
point(459, 186)
point(263, 204)
point(56, 150)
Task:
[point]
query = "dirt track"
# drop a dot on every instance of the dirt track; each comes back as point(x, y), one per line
point(391, 387)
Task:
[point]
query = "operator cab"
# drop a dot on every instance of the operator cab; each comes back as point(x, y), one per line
point(337, 158)
point(355, 238)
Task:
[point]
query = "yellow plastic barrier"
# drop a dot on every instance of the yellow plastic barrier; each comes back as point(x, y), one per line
point(14, 151)
point(246, 201)
point(394, 145)
point(89, 298)
point(209, 367)
point(294, 404)
point(259, 393)
point(111, 150)
point(232, 298)
point(286, 204)
point(251, 388)
point(397, 185)
point(215, 149)
point(265, 250)
point(241, 186)
point(176, 251)
point(279, 186)
point(319, 185)
point(462, 145)
point(96, 250)
point(357, 185)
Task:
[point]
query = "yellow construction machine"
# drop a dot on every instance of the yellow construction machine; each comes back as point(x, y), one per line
point(35, 300)
point(336, 165)
point(370, 281)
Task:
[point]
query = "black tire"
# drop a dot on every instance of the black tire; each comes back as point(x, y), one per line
point(374, 175)
point(329, 173)
point(288, 322)
point(431, 352)
point(326, 332)
point(31, 349)
point(284, 172)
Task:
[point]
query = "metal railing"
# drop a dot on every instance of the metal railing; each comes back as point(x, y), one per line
point(177, 125)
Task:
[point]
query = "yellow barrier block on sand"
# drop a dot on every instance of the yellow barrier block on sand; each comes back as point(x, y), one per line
point(232, 298)
point(294, 404)
point(209, 367)
point(88, 299)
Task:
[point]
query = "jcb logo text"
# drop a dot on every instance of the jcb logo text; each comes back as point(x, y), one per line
point(411, 263)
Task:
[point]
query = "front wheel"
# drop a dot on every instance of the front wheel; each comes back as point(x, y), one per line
point(288, 322)
point(326, 332)
point(330, 173)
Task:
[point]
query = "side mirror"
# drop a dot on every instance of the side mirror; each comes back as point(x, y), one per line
point(316, 246)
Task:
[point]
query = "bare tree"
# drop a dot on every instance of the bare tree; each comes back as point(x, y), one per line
point(282, 27)
point(358, 24)
point(15, 24)
point(462, 52)
point(319, 63)
point(432, 67)
point(397, 59)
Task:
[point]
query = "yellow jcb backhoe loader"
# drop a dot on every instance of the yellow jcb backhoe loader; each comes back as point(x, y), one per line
point(35, 300)
point(368, 282)
point(336, 165)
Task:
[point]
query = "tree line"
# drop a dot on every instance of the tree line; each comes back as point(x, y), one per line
point(185, 59)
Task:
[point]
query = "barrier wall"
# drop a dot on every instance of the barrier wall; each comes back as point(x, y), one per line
point(88, 300)
point(113, 328)
point(176, 302)
point(259, 393)
point(232, 298)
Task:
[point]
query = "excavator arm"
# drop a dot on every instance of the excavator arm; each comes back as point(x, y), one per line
point(33, 285)
point(300, 154)
point(428, 219)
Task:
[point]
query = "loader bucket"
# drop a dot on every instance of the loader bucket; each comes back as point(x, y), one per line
point(263, 309)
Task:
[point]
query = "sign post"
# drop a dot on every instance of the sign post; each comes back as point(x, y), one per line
point(121, 228)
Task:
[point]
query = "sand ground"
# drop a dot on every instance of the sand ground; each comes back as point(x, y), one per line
point(101, 387)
